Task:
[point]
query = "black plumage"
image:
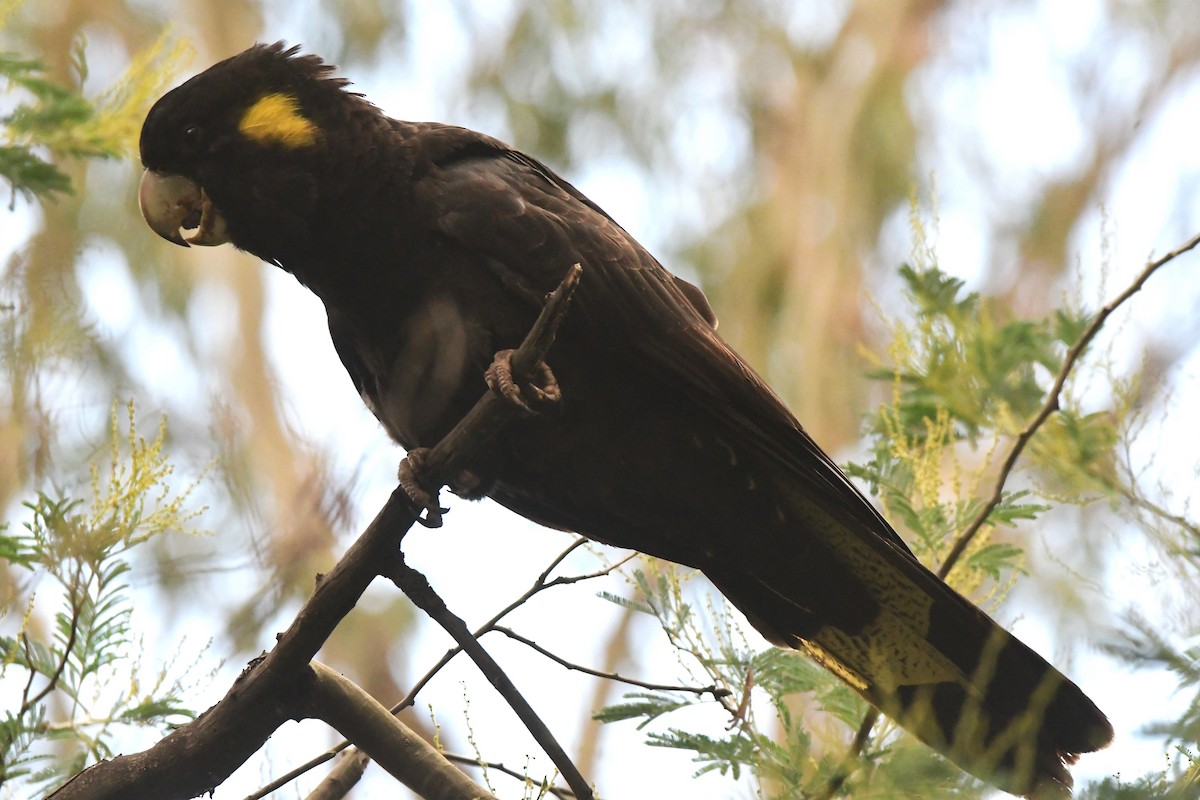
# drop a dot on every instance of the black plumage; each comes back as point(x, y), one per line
point(432, 248)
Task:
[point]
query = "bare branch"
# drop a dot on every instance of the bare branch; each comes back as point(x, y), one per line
point(1052, 403)
point(717, 692)
point(541, 583)
point(474, 432)
point(396, 747)
point(342, 778)
point(198, 756)
point(414, 584)
point(457, 451)
point(557, 791)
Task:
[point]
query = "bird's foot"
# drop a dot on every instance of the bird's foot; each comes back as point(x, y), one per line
point(531, 397)
point(413, 483)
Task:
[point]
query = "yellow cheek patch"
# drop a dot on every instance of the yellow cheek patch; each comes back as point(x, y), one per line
point(276, 119)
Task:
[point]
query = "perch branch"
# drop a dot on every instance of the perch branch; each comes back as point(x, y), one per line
point(541, 583)
point(196, 757)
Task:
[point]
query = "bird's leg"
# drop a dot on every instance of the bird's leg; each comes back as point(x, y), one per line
point(530, 397)
point(466, 485)
point(412, 481)
point(470, 486)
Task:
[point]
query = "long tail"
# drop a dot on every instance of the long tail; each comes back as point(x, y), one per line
point(929, 659)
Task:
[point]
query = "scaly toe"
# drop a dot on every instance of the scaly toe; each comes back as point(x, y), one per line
point(409, 475)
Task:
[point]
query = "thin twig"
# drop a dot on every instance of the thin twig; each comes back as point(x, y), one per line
point(540, 584)
point(578, 542)
point(716, 691)
point(25, 701)
point(852, 753)
point(30, 702)
point(563, 794)
point(1149, 506)
point(1052, 403)
point(307, 766)
point(681, 645)
point(342, 778)
point(415, 585)
point(567, 580)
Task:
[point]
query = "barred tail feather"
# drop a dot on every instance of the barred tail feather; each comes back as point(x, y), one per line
point(949, 675)
point(1015, 721)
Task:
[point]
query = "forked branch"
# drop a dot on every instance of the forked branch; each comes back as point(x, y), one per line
point(196, 757)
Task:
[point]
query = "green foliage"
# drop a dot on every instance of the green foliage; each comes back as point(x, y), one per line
point(646, 706)
point(968, 385)
point(51, 121)
point(82, 678)
point(69, 654)
point(719, 656)
point(787, 751)
point(958, 357)
point(972, 390)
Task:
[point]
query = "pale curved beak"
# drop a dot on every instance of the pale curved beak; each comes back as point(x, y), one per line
point(171, 203)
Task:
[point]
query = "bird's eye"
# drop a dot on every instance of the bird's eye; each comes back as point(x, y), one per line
point(192, 135)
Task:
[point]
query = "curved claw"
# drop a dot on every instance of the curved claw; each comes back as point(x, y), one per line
point(541, 391)
point(409, 476)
